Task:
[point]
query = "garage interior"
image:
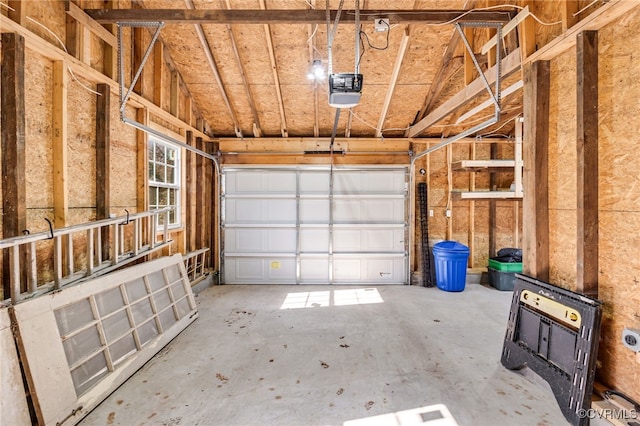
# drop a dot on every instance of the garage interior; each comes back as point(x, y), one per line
point(198, 165)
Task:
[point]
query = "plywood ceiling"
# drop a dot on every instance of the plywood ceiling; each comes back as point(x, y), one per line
point(284, 102)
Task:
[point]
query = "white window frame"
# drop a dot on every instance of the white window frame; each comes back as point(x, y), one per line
point(158, 185)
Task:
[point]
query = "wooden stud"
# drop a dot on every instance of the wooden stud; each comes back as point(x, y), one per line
point(535, 233)
point(12, 128)
point(60, 145)
point(493, 211)
point(472, 209)
point(587, 162)
point(208, 197)
point(73, 35)
point(158, 75)
point(200, 197)
point(139, 49)
point(527, 33)
point(103, 162)
point(568, 9)
point(190, 164)
point(79, 16)
point(111, 52)
point(142, 177)
point(18, 11)
point(449, 191)
point(174, 96)
point(468, 65)
point(491, 54)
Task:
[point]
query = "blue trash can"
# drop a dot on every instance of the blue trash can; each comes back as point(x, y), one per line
point(450, 258)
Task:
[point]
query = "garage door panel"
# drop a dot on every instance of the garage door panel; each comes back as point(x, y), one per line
point(371, 270)
point(314, 270)
point(252, 211)
point(368, 240)
point(314, 211)
point(255, 240)
point(369, 181)
point(250, 270)
point(260, 181)
point(282, 226)
point(314, 182)
point(314, 240)
point(368, 211)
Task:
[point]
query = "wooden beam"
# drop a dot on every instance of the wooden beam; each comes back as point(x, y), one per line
point(448, 68)
point(73, 36)
point(201, 197)
point(101, 32)
point(510, 26)
point(12, 128)
point(208, 52)
point(139, 49)
point(489, 102)
point(291, 16)
point(276, 78)
point(493, 211)
point(18, 11)
point(103, 162)
point(527, 33)
point(293, 159)
point(174, 95)
point(190, 189)
point(111, 52)
point(142, 177)
point(158, 74)
point(60, 145)
point(535, 233)
point(80, 69)
point(510, 64)
point(404, 44)
point(467, 62)
point(587, 161)
point(568, 9)
point(257, 128)
point(604, 15)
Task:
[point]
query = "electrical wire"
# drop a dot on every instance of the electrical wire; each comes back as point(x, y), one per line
point(67, 52)
point(585, 8)
point(462, 15)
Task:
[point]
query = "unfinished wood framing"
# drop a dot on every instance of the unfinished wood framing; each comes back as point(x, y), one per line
point(82, 18)
point(139, 48)
point(404, 44)
point(18, 11)
point(510, 64)
point(158, 75)
point(14, 197)
point(200, 198)
point(587, 162)
point(60, 146)
point(103, 159)
point(536, 182)
point(191, 190)
point(174, 95)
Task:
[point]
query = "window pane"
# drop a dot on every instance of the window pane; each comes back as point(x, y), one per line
point(160, 177)
point(152, 171)
point(153, 197)
point(160, 158)
point(171, 156)
point(163, 197)
point(150, 150)
point(171, 174)
point(172, 217)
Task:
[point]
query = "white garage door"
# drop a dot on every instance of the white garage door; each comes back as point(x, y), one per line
point(288, 226)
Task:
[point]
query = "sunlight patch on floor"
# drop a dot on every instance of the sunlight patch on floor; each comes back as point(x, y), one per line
point(433, 415)
point(319, 299)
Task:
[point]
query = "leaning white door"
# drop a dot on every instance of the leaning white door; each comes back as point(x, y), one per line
point(315, 226)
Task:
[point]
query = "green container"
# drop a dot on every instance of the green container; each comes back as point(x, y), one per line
point(505, 266)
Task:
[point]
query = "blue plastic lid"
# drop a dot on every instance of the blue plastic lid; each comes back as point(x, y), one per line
point(451, 246)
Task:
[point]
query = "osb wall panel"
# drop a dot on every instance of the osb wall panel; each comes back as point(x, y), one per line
point(619, 192)
point(38, 138)
point(50, 20)
point(123, 162)
point(81, 151)
point(562, 247)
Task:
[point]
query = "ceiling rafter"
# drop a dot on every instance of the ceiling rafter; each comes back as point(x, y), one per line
point(257, 128)
point(214, 68)
point(276, 78)
point(347, 127)
point(404, 44)
point(290, 16)
point(311, 41)
point(449, 66)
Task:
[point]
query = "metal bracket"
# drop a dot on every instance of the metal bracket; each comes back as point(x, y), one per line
point(124, 97)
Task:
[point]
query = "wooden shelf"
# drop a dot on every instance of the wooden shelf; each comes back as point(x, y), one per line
point(485, 195)
point(484, 165)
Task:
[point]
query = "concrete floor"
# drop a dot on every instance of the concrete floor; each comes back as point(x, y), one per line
point(246, 361)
